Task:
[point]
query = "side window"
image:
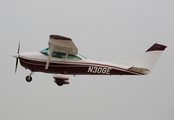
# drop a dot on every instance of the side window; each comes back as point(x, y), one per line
point(59, 55)
point(73, 57)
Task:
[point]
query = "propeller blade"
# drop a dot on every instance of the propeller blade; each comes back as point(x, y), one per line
point(16, 64)
point(18, 48)
point(17, 58)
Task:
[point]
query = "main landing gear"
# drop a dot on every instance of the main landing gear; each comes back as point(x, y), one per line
point(29, 78)
point(58, 82)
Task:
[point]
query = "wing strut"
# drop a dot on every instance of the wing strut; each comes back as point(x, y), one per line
point(50, 54)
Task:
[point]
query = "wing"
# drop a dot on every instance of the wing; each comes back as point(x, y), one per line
point(60, 44)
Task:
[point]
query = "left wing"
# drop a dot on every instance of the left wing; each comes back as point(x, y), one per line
point(60, 44)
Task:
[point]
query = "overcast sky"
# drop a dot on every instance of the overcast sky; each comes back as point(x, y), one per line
point(102, 30)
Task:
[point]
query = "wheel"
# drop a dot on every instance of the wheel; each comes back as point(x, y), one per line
point(28, 78)
point(59, 84)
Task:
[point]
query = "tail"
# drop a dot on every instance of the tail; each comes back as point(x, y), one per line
point(145, 63)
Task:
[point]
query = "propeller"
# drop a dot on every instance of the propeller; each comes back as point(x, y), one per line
point(17, 57)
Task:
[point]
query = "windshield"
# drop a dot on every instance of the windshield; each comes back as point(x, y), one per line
point(45, 51)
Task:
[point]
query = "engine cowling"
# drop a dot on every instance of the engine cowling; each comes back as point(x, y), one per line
point(61, 79)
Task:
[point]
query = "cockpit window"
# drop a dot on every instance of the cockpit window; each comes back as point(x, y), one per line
point(55, 54)
point(73, 57)
point(59, 55)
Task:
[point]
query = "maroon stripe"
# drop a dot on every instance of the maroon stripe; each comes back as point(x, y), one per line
point(63, 65)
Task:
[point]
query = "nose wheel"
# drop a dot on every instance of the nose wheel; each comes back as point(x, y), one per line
point(29, 78)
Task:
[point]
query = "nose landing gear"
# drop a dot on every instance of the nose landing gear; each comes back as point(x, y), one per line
point(29, 78)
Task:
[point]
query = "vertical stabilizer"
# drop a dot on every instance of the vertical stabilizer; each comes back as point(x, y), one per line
point(145, 63)
point(149, 58)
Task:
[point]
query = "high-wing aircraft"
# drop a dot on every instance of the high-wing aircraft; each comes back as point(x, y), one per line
point(61, 58)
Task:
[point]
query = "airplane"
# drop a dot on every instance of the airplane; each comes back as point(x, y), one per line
point(61, 58)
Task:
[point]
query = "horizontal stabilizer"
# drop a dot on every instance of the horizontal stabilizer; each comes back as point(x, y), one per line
point(140, 70)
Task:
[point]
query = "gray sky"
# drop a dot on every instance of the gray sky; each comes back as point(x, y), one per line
point(101, 29)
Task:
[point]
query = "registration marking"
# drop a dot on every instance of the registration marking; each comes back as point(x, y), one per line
point(103, 70)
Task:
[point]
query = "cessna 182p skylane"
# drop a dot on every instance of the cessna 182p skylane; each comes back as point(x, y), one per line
point(61, 58)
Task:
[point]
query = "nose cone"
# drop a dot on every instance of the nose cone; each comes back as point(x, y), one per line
point(16, 55)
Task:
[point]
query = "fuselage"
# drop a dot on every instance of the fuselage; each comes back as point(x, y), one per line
point(72, 65)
